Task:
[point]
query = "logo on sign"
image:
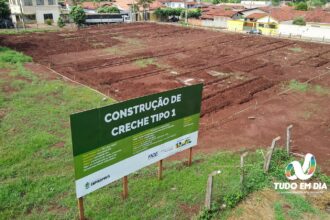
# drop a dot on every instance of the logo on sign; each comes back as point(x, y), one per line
point(183, 142)
point(153, 155)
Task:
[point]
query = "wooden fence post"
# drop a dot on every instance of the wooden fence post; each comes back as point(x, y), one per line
point(269, 154)
point(208, 196)
point(242, 167)
point(288, 139)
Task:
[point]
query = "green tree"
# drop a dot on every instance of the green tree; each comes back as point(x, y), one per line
point(302, 6)
point(276, 2)
point(4, 9)
point(299, 21)
point(192, 13)
point(60, 22)
point(108, 9)
point(145, 4)
point(78, 15)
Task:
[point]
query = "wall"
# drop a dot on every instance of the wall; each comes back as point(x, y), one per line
point(194, 21)
point(304, 31)
point(220, 22)
point(38, 10)
point(174, 4)
point(235, 25)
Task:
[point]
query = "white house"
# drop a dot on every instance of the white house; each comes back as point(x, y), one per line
point(178, 3)
point(34, 11)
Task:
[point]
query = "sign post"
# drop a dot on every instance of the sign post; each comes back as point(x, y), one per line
point(81, 208)
point(125, 187)
point(113, 141)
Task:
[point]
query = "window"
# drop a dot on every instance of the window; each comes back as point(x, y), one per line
point(48, 16)
point(40, 2)
point(272, 26)
point(261, 25)
point(51, 2)
point(28, 2)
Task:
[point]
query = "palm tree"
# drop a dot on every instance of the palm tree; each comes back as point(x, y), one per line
point(145, 4)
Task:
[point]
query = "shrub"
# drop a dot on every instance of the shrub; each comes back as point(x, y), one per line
point(108, 9)
point(195, 13)
point(299, 21)
point(78, 15)
point(301, 6)
point(49, 21)
point(60, 22)
point(166, 12)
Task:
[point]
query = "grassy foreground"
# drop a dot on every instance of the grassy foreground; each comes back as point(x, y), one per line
point(36, 166)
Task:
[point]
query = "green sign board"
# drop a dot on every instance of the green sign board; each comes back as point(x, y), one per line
point(116, 140)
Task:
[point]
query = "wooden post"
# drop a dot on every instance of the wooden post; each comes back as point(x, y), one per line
point(125, 187)
point(269, 154)
point(208, 196)
point(81, 208)
point(160, 169)
point(208, 192)
point(288, 137)
point(190, 157)
point(242, 167)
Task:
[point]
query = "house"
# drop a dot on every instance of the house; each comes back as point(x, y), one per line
point(178, 3)
point(255, 4)
point(218, 16)
point(262, 22)
point(34, 11)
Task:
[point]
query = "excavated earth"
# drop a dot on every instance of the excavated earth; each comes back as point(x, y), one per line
point(244, 76)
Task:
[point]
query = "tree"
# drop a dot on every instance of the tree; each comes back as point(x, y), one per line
point(78, 15)
point(301, 6)
point(276, 2)
point(108, 9)
point(145, 4)
point(4, 9)
point(60, 22)
point(299, 21)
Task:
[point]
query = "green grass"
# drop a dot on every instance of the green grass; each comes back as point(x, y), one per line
point(299, 206)
point(279, 214)
point(296, 49)
point(36, 166)
point(305, 87)
point(28, 31)
point(142, 63)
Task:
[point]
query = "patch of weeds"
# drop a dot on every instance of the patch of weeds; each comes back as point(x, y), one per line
point(305, 87)
point(145, 62)
point(296, 49)
point(298, 86)
point(279, 214)
point(299, 205)
point(13, 57)
point(18, 84)
point(321, 90)
point(98, 44)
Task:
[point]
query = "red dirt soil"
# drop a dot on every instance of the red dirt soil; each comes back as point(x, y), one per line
point(131, 60)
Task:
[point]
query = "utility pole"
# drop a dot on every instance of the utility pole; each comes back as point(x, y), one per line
point(186, 14)
point(21, 10)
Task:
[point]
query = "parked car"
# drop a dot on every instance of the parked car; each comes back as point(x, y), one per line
point(6, 23)
point(254, 31)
